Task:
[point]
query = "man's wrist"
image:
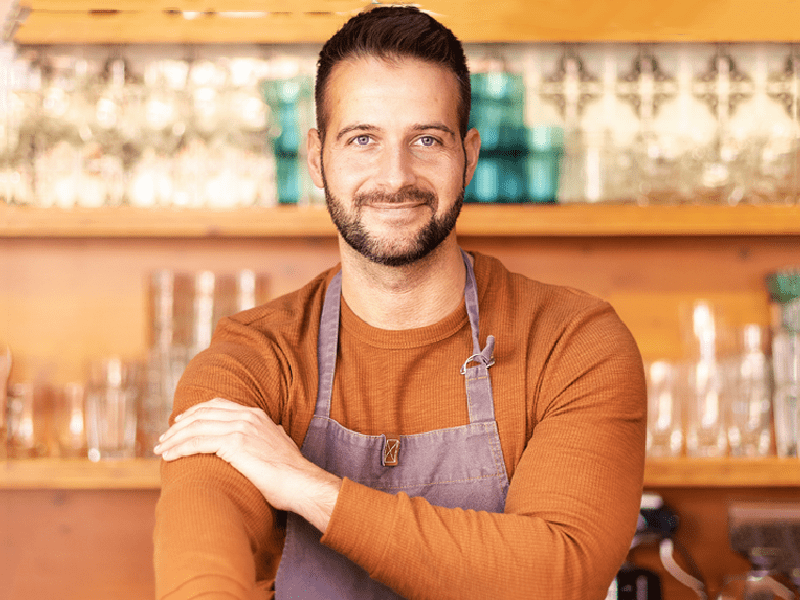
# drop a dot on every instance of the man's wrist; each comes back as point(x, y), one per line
point(319, 499)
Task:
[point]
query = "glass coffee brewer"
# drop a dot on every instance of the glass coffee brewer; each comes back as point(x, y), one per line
point(768, 535)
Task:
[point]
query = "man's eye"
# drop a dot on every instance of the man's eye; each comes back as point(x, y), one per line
point(361, 140)
point(427, 141)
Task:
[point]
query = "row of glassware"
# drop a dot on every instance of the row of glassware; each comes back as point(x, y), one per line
point(230, 132)
point(734, 395)
point(123, 405)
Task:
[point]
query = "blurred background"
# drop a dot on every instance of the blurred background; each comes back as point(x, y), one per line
point(153, 181)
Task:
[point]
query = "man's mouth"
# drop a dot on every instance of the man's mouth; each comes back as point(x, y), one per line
point(408, 198)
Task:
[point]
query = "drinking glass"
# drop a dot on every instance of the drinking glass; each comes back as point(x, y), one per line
point(749, 396)
point(705, 431)
point(69, 420)
point(705, 412)
point(112, 399)
point(21, 424)
point(29, 420)
point(664, 418)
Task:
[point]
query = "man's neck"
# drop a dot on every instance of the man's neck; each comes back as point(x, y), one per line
point(416, 295)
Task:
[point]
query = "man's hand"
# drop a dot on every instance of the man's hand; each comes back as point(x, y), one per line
point(260, 450)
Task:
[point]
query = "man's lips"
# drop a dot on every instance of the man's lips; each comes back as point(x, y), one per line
point(408, 198)
point(393, 205)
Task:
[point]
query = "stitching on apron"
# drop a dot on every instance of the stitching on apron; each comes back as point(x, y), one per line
point(497, 452)
point(431, 483)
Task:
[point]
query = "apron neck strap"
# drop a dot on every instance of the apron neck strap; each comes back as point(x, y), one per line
point(479, 394)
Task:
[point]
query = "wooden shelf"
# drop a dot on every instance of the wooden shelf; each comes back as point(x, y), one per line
point(286, 21)
point(51, 473)
point(526, 220)
point(121, 222)
point(145, 473)
point(722, 472)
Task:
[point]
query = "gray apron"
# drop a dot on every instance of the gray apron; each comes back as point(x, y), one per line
point(455, 467)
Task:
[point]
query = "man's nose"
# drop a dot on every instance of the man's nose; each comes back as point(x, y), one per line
point(397, 168)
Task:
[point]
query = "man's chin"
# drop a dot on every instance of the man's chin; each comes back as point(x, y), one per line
point(390, 255)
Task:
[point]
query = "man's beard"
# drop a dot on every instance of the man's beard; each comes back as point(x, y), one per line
point(386, 252)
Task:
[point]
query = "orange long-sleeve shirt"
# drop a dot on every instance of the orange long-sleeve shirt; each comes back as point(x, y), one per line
point(570, 405)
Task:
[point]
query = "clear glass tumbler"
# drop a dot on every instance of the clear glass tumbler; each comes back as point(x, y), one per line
point(749, 396)
point(703, 335)
point(664, 414)
point(113, 393)
point(705, 415)
point(69, 420)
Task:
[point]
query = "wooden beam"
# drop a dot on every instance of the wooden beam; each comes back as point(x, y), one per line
point(71, 21)
point(143, 28)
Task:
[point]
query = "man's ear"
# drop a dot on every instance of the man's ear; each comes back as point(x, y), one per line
point(314, 146)
point(472, 149)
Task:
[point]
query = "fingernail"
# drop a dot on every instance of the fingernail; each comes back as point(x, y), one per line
point(179, 417)
point(157, 448)
point(161, 437)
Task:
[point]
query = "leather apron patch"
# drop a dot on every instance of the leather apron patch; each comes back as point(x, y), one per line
point(391, 451)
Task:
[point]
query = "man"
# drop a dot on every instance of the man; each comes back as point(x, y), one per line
point(465, 432)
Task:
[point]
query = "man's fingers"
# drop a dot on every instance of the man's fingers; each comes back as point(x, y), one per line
point(226, 412)
point(223, 409)
point(198, 427)
point(202, 444)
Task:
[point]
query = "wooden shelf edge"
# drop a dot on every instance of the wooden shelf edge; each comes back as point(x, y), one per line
point(144, 474)
point(477, 220)
point(768, 472)
point(53, 473)
point(627, 220)
point(129, 222)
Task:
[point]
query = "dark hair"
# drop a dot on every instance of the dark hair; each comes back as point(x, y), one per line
point(392, 32)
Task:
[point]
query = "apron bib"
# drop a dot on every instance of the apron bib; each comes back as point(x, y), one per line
point(454, 467)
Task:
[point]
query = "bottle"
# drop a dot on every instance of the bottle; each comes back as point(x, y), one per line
point(784, 290)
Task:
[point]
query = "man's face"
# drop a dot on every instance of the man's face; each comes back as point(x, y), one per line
point(393, 164)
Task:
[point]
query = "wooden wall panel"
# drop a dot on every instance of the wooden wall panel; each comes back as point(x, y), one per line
point(71, 300)
point(97, 544)
point(77, 545)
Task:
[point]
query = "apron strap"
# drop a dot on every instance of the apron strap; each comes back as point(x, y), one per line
point(480, 401)
point(328, 346)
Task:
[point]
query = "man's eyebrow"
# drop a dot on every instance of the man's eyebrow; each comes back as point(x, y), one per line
point(357, 127)
point(435, 126)
point(366, 128)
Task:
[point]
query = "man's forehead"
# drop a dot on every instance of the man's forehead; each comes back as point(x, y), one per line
point(354, 76)
point(390, 61)
point(349, 91)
